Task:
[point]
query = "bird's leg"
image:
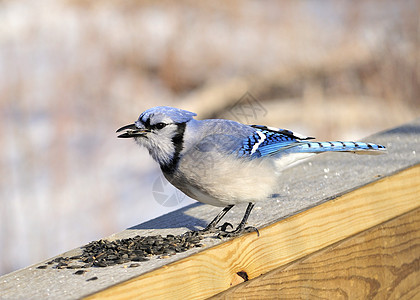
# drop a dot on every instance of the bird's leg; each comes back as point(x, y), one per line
point(241, 227)
point(211, 227)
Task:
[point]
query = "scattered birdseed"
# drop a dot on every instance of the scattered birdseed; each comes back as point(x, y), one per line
point(92, 278)
point(75, 267)
point(41, 267)
point(80, 272)
point(104, 253)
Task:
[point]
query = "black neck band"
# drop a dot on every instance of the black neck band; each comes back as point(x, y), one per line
point(178, 142)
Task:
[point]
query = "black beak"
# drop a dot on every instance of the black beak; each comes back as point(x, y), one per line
point(131, 131)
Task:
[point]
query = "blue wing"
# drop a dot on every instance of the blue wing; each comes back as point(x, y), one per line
point(268, 140)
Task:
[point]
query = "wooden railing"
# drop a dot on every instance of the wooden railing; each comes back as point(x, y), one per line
point(345, 226)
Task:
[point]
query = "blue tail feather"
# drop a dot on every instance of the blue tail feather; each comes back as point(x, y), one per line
point(315, 147)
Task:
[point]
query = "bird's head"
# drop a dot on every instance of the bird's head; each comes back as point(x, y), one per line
point(161, 130)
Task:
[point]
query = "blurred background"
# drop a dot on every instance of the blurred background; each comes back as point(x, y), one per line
point(73, 71)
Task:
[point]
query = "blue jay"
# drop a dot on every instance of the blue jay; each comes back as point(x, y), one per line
point(223, 162)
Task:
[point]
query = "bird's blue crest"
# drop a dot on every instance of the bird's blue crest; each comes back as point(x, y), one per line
point(175, 114)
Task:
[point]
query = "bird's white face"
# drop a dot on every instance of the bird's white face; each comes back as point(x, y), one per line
point(159, 134)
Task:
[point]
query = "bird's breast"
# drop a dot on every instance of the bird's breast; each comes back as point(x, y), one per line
point(219, 179)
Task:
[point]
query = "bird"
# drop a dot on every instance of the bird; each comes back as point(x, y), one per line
point(223, 162)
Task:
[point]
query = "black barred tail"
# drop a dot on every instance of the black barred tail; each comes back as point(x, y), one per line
point(356, 147)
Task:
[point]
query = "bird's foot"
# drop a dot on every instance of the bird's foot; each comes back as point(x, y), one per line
point(204, 231)
point(237, 232)
point(222, 230)
point(225, 226)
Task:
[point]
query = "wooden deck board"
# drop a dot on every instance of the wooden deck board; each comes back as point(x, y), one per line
point(379, 263)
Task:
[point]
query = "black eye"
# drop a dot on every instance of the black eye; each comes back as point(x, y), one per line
point(160, 125)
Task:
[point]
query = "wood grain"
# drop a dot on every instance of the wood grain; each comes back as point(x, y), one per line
point(216, 269)
point(381, 263)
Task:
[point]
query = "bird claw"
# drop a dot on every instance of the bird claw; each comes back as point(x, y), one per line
point(192, 233)
point(225, 226)
point(204, 231)
point(237, 232)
